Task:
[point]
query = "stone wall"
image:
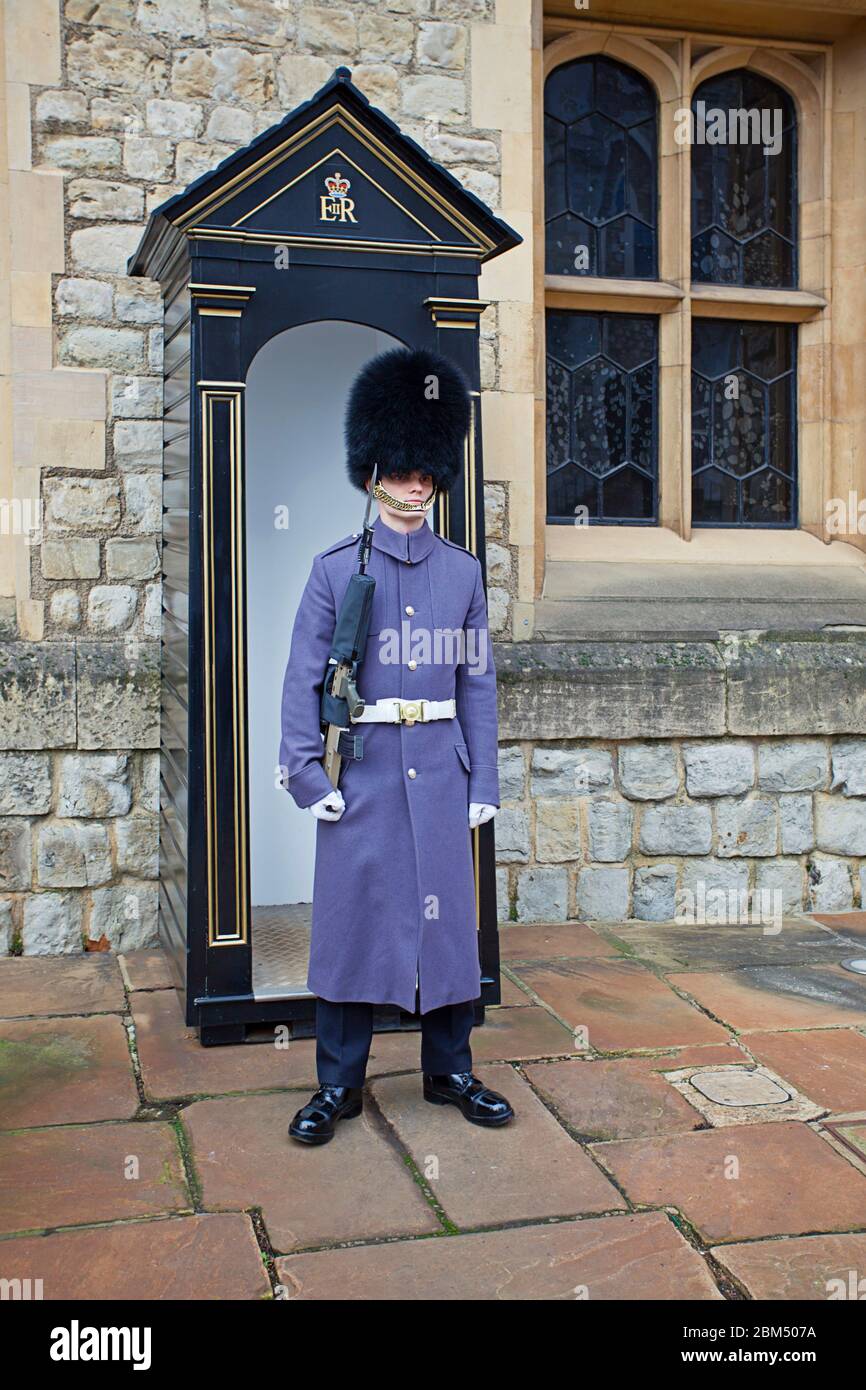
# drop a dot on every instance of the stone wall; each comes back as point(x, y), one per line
point(604, 831)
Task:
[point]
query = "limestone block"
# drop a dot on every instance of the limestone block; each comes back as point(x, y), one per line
point(138, 444)
point(329, 31)
point(602, 895)
point(494, 511)
point(557, 830)
point(542, 895)
point(570, 771)
point(102, 347)
point(126, 916)
point(671, 829)
point(498, 563)
point(849, 767)
point(137, 841)
point(512, 835)
point(225, 75)
point(52, 924)
point(437, 98)
point(105, 199)
point(512, 774)
point(136, 397)
point(25, 784)
point(84, 299)
point(830, 888)
point(441, 45)
point(655, 892)
point(648, 771)
point(747, 827)
point(131, 558)
point(381, 36)
point(118, 705)
point(73, 557)
point(110, 607)
point(840, 825)
point(796, 824)
point(796, 766)
point(610, 824)
point(93, 152)
point(148, 157)
point(15, 871)
point(142, 501)
point(72, 504)
point(94, 784)
point(64, 609)
point(177, 119)
point(784, 877)
point(720, 768)
point(37, 695)
point(72, 855)
point(108, 61)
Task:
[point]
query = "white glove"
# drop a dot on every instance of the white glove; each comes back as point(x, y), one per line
point(331, 807)
point(480, 813)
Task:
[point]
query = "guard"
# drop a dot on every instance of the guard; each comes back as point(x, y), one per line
point(394, 893)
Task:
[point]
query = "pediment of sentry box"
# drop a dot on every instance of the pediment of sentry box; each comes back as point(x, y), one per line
point(335, 181)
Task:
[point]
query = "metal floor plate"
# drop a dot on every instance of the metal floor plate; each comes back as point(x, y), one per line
point(281, 951)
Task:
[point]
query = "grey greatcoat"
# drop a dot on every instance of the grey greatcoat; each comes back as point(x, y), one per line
point(394, 886)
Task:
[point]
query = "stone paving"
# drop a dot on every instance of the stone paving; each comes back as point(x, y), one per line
point(690, 1124)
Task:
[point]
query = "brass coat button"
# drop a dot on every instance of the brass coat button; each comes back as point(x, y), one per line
point(411, 772)
point(412, 665)
point(409, 609)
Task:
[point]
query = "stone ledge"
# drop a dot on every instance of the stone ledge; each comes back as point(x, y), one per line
point(755, 684)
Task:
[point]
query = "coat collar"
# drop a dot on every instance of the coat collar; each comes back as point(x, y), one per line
point(407, 546)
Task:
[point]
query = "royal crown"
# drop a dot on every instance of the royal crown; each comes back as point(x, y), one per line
point(337, 185)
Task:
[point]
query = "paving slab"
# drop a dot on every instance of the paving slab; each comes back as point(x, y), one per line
point(186, 1257)
point(146, 969)
point(619, 1099)
point(355, 1187)
point(537, 943)
point(764, 999)
point(70, 1175)
point(767, 1195)
point(529, 1168)
point(851, 1134)
point(818, 1268)
point(826, 1064)
point(174, 1063)
point(669, 946)
point(850, 924)
point(624, 1258)
point(506, 1035)
point(512, 996)
point(90, 983)
point(620, 1004)
point(56, 1071)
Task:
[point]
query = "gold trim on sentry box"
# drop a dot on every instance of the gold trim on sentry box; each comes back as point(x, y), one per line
point(335, 116)
point(335, 154)
point(230, 395)
point(219, 313)
point(400, 248)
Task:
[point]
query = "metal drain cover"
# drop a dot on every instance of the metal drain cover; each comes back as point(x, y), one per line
point(739, 1086)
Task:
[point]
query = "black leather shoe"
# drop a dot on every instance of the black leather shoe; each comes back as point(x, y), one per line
point(314, 1122)
point(479, 1104)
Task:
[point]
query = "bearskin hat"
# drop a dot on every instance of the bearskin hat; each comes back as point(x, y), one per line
point(407, 409)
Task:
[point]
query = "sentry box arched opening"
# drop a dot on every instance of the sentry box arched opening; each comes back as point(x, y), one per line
point(329, 238)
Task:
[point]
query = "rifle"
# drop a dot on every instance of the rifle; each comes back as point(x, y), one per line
point(340, 697)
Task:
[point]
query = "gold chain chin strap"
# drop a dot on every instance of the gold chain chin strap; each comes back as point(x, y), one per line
point(383, 496)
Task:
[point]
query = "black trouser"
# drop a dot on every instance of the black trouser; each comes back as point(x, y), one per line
point(344, 1033)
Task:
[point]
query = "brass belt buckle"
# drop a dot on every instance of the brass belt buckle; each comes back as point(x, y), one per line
point(410, 710)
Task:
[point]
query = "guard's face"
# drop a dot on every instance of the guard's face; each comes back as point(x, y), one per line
point(415, 488)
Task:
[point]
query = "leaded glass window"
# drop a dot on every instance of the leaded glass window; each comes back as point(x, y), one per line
point(744, 423)
point(602, 426)
point(600, 163)
point(744, 197)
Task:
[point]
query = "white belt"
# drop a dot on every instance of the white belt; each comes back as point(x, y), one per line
point(397, 711)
